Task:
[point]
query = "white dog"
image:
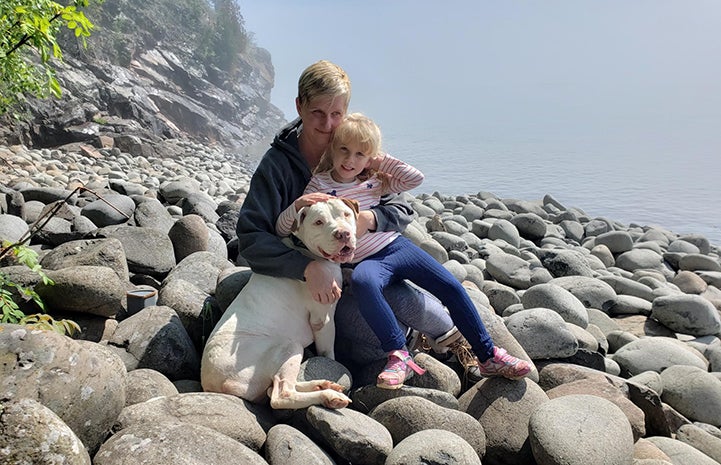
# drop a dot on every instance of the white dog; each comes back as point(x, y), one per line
point(257, 346)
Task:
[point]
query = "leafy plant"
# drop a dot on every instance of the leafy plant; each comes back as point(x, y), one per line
point(28, 30)
point(11, 312)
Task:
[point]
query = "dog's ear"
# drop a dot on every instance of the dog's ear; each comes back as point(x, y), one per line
point(353, 204)
point(299, 218)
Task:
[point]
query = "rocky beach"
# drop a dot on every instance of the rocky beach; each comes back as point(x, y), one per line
point(620, 321)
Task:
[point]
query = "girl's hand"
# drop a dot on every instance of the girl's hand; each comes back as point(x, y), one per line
point(309, 199)
point(366, 222)
point(321, 283)
point(375, 163)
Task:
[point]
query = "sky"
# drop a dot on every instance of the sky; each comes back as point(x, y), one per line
point(516, 66)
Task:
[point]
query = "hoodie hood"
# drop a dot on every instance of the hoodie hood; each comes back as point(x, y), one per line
point(286, 141)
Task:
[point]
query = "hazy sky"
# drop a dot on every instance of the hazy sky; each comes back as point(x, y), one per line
point(521, 68)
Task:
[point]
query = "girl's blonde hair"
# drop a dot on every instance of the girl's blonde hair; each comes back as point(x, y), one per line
point(358, 129)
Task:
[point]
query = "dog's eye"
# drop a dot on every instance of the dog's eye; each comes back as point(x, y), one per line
point(318, 222)
point(347, 215)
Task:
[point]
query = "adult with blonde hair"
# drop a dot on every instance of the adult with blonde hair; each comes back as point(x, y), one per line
point(324, 92)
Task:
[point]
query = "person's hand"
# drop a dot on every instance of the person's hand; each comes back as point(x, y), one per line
point(375, 163)
point(309, 199)
point(366, 222)
point(321, 283)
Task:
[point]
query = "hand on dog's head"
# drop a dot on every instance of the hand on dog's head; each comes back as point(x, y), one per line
point(328, 228)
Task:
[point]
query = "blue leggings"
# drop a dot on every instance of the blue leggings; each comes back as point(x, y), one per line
point(402, 259)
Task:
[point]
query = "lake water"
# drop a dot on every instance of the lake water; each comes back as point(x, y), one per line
point(650, 181)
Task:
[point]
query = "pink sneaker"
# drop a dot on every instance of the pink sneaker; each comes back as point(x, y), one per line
point(398, 367)
point(504, 364)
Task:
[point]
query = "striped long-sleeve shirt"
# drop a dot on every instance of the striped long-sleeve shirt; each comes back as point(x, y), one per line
point(367, 193)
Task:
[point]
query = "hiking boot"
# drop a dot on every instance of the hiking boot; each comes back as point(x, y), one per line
point(504, 364)
point(400, 364)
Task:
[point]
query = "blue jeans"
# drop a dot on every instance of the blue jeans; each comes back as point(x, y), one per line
point(402, 259)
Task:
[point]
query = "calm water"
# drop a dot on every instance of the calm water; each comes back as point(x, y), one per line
point(651, 181)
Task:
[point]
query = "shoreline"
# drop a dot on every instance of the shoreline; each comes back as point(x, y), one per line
point(223, 175)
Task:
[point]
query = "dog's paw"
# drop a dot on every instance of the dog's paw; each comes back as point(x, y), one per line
point(335, 400)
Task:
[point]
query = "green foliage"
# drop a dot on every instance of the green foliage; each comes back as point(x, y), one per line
point(28, 43)
point(10, 311)
point(230, 36)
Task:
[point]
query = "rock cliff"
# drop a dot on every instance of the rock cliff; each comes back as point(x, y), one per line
point(156, 70)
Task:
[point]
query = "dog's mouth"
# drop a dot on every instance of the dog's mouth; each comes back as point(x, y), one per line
point(344, 255)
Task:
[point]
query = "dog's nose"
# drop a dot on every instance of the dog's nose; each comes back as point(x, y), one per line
point(341, 235)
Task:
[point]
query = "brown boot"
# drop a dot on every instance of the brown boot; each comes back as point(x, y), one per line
point(454, 342)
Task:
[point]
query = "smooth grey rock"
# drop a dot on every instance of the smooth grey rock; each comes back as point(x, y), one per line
point(145, 384)
point(500, 296)
point(503, 407)
point(692, 391)
point(529, 225)
point(12, 228)
point(449, 241)
point(651, 379)
point(689, 282)
point(584, 338)
point(197, 309)
point(682, 246)
point(150, 213)
point(82, 382)
point(704, 247)
point(147, 250)
point(286, 445)
point(223, 413)
point(355, 437)
point(109, 209)
point(699, 262)
point(592, 292)
point(563, 262)
point(189, 234)
point(688, 314)
point(604, 254)
point(616, 241)
point(701, 440)
point(563, 430)
point(32, 433)
point(90, 252)
point(433, 446)
point(505, 230)
point(572, 229)
point(408, 415)
point(95, 290)
point(680, 452)
point(366, 398)
point(515, 272)
point(542, 333)
point(558, 299)
point(173, 442)
point(176, 190)
point(629, 305)
point(601, 319)
point(656, 354)
point(639, 259)
point(602, 388)
point(201, 269)
point(627, 286)
point(155, 338)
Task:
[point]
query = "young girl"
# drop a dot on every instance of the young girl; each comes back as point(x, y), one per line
point(354, 167)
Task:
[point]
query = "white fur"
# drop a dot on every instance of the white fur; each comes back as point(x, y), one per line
point(257, 346)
